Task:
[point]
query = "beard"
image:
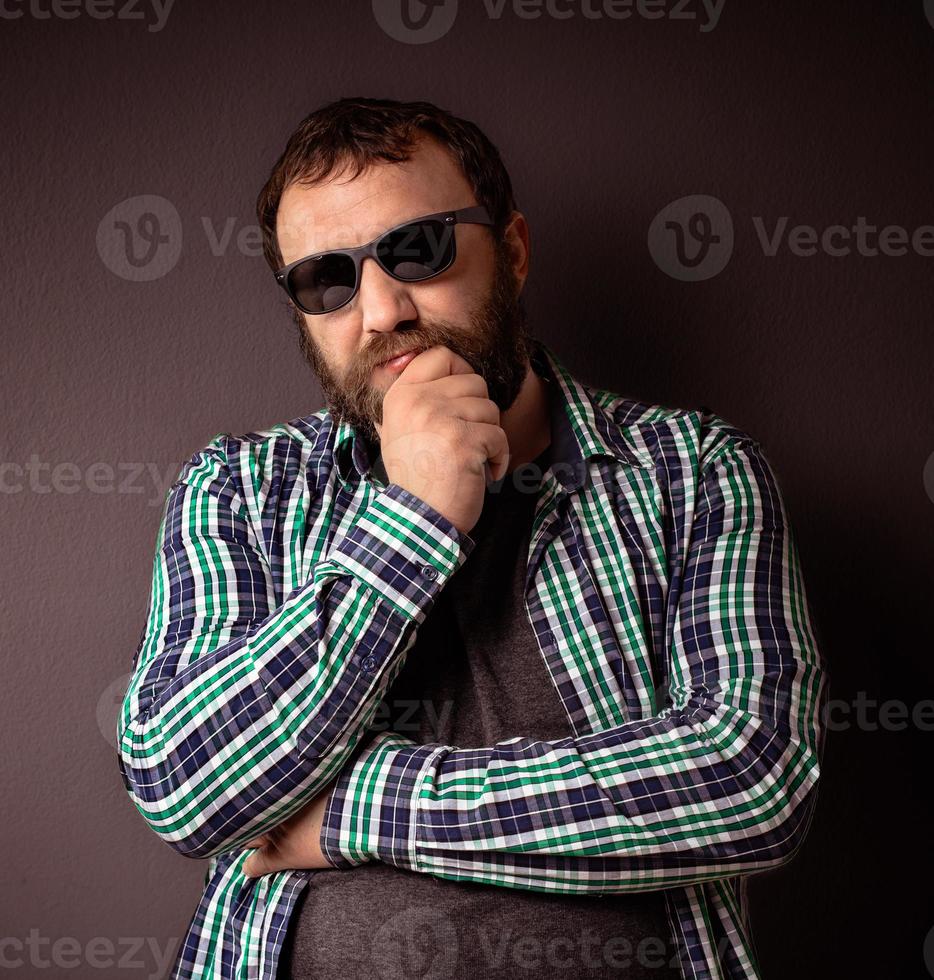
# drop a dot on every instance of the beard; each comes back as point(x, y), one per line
point(496, 346)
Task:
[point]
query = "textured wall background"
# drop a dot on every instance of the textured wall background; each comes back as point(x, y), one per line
point(114, 373)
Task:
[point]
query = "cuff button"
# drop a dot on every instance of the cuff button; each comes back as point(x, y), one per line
point(429, 572)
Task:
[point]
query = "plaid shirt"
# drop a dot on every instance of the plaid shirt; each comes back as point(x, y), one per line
point(665, 592)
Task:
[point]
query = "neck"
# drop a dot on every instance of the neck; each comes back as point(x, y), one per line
point(526, 422)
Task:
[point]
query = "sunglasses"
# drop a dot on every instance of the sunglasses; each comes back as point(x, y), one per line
point(412, 252)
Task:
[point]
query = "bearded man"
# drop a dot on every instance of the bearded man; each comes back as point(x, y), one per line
point(479, 669)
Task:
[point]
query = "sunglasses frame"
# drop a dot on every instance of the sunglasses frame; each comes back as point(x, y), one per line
point(477, 215)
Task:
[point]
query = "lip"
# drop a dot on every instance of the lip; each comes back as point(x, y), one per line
point(397, 363)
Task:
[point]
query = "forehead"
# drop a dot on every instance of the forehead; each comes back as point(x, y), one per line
point(341, 212)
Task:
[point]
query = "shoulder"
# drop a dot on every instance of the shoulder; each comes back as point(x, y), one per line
point(262, 461)
point(663, 435)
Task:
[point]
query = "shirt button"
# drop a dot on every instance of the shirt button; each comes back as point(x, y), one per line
point(430, 572)
point(369, 664)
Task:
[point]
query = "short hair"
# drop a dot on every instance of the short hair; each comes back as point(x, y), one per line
point(355, 132)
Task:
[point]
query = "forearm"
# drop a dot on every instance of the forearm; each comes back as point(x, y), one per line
point(629, 809)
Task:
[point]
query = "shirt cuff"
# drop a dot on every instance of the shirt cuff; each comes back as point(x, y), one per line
point(404, 548)
point(372, 811)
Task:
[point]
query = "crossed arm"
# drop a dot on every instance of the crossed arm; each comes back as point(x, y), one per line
point(721, 782)
point(242, 706)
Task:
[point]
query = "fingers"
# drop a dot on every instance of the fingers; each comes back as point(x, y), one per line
point(263, 860)
point(266, 855)
point(461, 386)
point(495, 446)
point(257, 864)
point(473, 409)
point(436, 362)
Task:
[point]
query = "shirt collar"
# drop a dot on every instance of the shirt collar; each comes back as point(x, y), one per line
point(580, 428)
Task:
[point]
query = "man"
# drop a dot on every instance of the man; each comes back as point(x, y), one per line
point(480, 670)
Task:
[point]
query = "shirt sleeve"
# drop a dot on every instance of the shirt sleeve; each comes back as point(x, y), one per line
point(722, 781)
point(238, 710)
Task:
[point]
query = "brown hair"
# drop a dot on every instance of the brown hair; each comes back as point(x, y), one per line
point(359, 131)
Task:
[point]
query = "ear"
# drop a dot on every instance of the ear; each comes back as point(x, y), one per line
point(517, 238)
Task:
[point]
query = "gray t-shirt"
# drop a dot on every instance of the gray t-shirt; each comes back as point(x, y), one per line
point(474, 676)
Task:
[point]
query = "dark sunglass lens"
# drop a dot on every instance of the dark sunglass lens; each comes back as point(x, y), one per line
point(323, 284)
point(417, 251)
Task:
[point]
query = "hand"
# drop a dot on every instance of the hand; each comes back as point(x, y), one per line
point(293, 844)
point(439, 429)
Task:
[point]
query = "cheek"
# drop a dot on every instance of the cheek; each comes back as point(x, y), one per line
point(447, 299)
point(461, 287)
point(343, 350)
point(332, 346)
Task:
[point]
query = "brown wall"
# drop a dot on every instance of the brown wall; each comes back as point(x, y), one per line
point(112, 374)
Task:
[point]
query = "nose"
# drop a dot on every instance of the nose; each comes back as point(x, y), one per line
point(384, 302)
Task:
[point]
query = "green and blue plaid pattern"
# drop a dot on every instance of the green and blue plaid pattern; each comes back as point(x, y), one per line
point(665, 591)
